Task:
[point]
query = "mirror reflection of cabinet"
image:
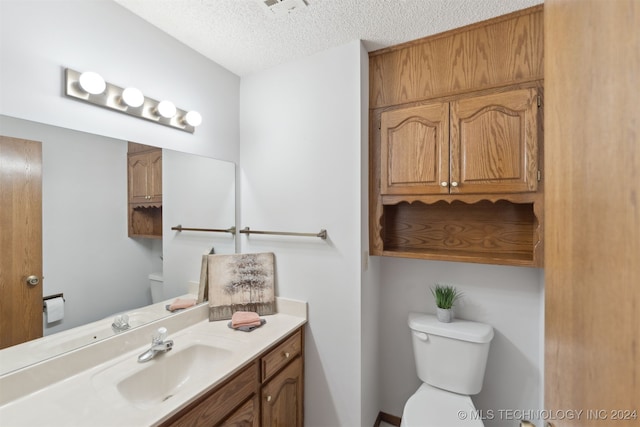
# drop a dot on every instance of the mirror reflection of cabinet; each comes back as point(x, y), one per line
point(144, 182)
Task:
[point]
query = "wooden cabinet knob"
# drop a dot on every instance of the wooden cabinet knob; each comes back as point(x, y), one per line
point(286, 355)
point(444, 184)
point(454, 184)
point(268, 398)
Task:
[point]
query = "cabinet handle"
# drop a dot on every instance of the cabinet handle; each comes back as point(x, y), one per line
point(286, 355)
point(444, 184)
point(454, 183)
point(268, 398)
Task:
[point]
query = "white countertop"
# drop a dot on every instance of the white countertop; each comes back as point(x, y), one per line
point(78, 388)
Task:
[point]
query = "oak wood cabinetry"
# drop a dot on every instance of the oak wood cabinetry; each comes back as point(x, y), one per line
point(482, 144)
point(145, 176)
point(235, 401)
point(144, 189)
point(456, 154)
point(282, 390)
point(592, 341)
point(268, 391)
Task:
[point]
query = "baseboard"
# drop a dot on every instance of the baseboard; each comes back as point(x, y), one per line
point(387, 418)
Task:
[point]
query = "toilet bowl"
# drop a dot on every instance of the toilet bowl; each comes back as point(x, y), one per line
point(156, 283)
point(450, 360)
point(432, 407)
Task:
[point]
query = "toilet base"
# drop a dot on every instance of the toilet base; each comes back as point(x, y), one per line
point(433, 407)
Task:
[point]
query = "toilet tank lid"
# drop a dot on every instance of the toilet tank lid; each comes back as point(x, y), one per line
point(464, 330)
point(156, 276)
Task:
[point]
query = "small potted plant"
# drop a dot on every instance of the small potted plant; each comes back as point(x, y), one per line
point(445, 297)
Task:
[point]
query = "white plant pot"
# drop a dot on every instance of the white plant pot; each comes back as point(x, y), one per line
point(444, 315)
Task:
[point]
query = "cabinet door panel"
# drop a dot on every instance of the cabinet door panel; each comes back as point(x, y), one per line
point(155, 176)
point(282, 403)
point(494, 143)
point(245, 416)
point(415, 150)
point(138, 178)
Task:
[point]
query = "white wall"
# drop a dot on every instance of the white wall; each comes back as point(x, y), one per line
point(197, 193)
point(42, 37)
point(301, 171)
point(508, 298)
point(370, 283)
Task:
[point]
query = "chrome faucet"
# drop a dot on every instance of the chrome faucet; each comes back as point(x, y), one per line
point(158, 345)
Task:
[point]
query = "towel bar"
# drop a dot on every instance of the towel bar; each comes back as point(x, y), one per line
point(322, 234)
point(231, 230)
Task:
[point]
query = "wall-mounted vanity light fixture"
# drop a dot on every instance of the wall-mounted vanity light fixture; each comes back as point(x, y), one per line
point(91, 87)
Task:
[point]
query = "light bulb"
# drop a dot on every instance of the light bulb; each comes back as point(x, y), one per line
point(132, 97)
point(166, 109)
point(193, 118)
point(92, 83)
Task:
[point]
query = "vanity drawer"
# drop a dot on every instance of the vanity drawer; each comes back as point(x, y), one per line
point(281, 355)
point(220, 403)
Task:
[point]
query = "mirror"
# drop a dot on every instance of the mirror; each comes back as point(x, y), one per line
point(87, 253)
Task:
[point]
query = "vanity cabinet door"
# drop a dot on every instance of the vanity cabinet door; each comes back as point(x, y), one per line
point(282, 403)
point(244, 416)
point(414, 150)
point(494, 143)
point(219, 406)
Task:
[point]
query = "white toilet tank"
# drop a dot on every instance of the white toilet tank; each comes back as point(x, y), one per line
point(156, 283)
point(451, 356)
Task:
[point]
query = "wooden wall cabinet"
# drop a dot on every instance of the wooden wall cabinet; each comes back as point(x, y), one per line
point(144, 190)
point(266, 392)
point(482, 144)
point(145, 177)
point(455, 169)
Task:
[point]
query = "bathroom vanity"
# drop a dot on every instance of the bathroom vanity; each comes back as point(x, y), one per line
point(270, 388)
point(212, 375)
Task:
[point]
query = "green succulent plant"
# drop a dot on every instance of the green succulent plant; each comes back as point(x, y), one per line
point(445, 295)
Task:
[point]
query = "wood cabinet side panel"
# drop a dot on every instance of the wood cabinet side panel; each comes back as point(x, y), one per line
point(592, 255)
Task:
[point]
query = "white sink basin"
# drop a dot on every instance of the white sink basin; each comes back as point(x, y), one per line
point(194, 362)
point(167, 374)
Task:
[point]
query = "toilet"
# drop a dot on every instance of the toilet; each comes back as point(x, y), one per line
point(450, 360)
point(156, 283)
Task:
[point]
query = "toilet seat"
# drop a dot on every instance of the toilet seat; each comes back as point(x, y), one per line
point(433, 407)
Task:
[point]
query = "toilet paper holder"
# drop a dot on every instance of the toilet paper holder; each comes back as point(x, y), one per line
point(44, 306)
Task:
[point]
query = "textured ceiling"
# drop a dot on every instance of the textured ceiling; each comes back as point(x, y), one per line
point(244, 37)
